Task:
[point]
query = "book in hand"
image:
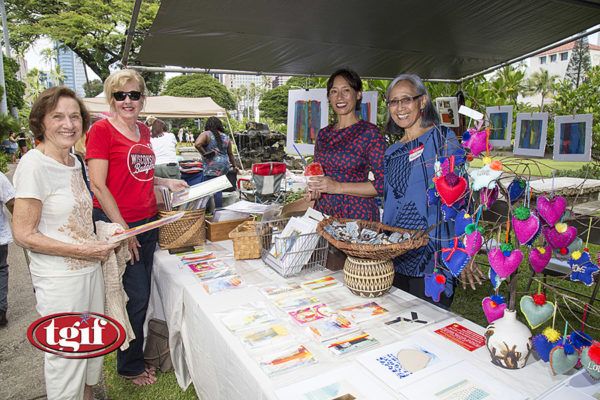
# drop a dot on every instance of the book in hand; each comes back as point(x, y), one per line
point(127, 233)
point(203, 189)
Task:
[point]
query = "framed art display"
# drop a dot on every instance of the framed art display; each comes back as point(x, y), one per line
point(368, 107)
point(573, 138)
point(307, 113)
point(447, 107)
point(500, 124)
point(346, 383)
point(530, 137)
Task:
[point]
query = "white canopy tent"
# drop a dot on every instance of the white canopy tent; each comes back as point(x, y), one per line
point(167, 107)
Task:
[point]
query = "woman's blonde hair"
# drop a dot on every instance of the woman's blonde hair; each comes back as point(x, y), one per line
point(118, 79)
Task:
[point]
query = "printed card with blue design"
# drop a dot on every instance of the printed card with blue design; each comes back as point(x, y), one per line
point(407, 361)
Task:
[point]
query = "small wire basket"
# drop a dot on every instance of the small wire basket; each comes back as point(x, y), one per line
point(294, 255)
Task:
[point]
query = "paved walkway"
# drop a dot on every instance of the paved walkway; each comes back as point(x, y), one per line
point(21, 364)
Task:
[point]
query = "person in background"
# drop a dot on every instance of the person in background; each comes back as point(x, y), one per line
point(7, 198)
point(217, 153)
point(189, 136)
point(22, 142)
point(52, 220)
point(164, 145)
point(409, 169)
point(348, 150)
point(121, 170)
point(180, 135)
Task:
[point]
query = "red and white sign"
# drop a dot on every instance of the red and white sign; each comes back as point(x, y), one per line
point(462, 336)
point(76, 335)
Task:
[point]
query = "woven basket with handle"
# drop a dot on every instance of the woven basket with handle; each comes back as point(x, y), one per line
point(374, 251)
point(189, 230)
point(247, 241)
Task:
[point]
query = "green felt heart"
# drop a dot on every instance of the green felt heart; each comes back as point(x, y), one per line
point(590, 366)
point(534, 314)
point(560, 362)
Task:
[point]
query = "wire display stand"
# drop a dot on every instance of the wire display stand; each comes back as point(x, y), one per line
point(294, 255)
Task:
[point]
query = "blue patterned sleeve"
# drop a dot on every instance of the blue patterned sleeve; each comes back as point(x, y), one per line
point(376, 153)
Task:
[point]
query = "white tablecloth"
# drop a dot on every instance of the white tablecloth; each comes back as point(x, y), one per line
point(206, 353)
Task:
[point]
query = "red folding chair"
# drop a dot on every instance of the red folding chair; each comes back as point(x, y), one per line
point(267, 178)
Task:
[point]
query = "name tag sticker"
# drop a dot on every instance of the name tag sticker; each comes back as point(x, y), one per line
point(415, 153)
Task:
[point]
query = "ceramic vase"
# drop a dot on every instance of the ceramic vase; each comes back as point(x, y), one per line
point(368, 278)
point(508, 341)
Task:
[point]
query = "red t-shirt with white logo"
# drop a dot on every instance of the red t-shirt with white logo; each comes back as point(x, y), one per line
point(130, 176)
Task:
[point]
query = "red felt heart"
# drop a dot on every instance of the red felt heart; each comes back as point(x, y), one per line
point(450, 194)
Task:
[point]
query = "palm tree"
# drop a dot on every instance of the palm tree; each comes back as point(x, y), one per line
point(508, 84)
point(34, 86)
point(541, 82)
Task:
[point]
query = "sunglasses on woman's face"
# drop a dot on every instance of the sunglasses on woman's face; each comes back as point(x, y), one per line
point(134, 95)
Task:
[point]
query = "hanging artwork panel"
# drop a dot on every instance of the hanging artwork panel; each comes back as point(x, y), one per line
point(307, 113)
point(500, 124)
point(368, 107)
point(530, 137)
point(447, 107)
point(573, 138)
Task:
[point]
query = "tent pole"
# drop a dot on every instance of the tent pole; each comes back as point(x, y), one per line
point(233, 139)
point(131, 32)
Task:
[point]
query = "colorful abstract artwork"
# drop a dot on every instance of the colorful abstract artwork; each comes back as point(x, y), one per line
point(368, 107)
point(499, 120)
point(447, 107)
point(530, 137)
point(307, 113)
point(573, 137)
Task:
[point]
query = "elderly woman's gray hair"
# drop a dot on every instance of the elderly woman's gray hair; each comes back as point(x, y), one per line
point(429, 115)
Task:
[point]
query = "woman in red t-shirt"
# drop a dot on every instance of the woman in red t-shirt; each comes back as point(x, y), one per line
point(121, 168)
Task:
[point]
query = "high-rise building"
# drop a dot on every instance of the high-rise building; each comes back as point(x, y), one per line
point(72, 68)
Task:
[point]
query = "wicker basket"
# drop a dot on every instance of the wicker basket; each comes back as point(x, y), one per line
point(375, 251)
point(189, 230)
point(368, 278)
point(247, 241)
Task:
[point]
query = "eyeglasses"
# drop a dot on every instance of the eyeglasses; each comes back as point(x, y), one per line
point(134, 95)
point(404, 102)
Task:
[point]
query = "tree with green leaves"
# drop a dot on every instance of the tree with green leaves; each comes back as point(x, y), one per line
point(580, 63)
point(542, 83)
point(15, 89)
point(93, 29)
point(273, 104)
point(93, 88)
point(199, 85)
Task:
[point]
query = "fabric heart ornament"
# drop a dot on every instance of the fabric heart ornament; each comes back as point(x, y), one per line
point(526, 225)
point(449, 213)
point(550, 210)
point(455, 257)
point(504, 260)
point(579, 340)
point(487, 197)
point(545, 342)
point(582, 268)
point(536, 309)
point(450, 188)
point(564, 253)
point(560, 235)
point(563, 358)
point(473, 239)
point(485, 177)
point(516, 189)
point(462, 219)
point(434, 285)
point(495, 280)
point(539, 258)
point(477, 142)
point(493, 307)
point(590, 360)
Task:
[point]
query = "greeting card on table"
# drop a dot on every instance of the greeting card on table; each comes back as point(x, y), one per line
point(293, 302)
point(462, 336)
point(462, 381)
point(331, 328)
point(310, 314)
point(348, 382)
point(349, 343)
point(205, 265)
point(363, 312)
point(215, 273)
point(196, 257)
point(326, 282)
point(270, 334)
point(246, 317)
point(405, 362)
point(286, 359)
point(273, 291)
point(220, 284)
point(408, 321)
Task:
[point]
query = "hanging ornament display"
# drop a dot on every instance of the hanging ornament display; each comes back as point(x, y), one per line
point(493, 307)
point(526, 225)
point(560, 235)
point(476, 141)
point(463, 218)
point(435, 284)
point(545, 342)
point(487, 176)
point(455, 257)
point(536, 309)
point(539, 257)
point(590, 360)
point(473, 239)
point(582, 267)
point(487, 197)
point(563, 358)
point(504, 259)
point(516, 189)
point(550, 210)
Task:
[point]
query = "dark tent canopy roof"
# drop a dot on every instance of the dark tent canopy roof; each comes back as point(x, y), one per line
point(446, 39)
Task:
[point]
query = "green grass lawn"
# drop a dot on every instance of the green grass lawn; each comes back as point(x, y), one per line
point(532, 166)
